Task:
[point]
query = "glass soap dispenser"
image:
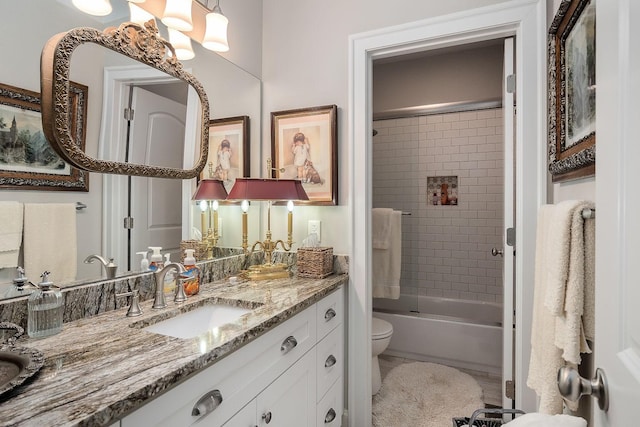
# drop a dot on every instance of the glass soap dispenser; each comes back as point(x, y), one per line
point(45, 306)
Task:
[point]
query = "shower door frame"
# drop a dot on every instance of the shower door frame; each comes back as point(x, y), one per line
point(524, 19)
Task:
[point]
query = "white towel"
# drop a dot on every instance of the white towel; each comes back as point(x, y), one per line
point(387, 262)
point(381, 227)
point(545, 358)
point(546, 420)
point(10, 233)
point(50, 240)
point(564, 291)
point(568, 302)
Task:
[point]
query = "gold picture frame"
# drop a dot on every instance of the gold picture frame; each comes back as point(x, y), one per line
point(304, 145)
point(229, 144)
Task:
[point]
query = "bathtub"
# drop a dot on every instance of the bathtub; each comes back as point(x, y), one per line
point(459, 333)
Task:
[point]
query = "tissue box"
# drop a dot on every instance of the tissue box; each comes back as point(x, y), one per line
point(315, 263)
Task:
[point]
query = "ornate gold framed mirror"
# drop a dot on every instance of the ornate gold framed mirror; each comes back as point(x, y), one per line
point(141, 43)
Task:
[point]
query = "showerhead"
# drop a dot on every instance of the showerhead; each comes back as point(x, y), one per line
point(375, 132)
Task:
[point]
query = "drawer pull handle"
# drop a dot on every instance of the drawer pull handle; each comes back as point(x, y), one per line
point(331, 360)
point(329, 314)
point(207, 403)
point(267, 417)
point(288, 344)
point(331, 415)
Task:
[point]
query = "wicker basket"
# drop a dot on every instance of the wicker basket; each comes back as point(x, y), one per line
point(315, 263)
point(199, 248)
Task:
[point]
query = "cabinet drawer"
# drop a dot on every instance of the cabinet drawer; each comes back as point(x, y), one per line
point(330, 360)
point(330, 312)
point(329, 410)
point(237, 377)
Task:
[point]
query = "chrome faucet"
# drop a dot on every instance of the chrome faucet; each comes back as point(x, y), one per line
point(110, 267)
point(159, 300)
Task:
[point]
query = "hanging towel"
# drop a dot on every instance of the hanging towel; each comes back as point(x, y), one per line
point(568, 304)
point(385, 275)
point(11, 214)
point(50, 240)
point(545, 358)
point(381, 227)
point(563, 306)
point(546, 420)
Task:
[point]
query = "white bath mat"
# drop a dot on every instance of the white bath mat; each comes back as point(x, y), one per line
point(421, 394)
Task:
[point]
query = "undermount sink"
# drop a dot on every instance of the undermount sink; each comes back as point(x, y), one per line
point(198, 321)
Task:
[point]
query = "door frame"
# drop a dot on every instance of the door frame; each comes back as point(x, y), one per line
point(113, 137)
point(526, 19)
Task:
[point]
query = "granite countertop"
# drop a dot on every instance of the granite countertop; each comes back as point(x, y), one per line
point(99, 369)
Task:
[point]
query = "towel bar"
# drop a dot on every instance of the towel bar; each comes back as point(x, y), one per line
point(588, 213)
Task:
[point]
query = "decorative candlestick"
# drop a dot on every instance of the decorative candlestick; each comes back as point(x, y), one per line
point(290, 223)
point(245, 208)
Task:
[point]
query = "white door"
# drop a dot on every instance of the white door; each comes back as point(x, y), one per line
point(617, 340)
point(157, 138)
point(509, 220)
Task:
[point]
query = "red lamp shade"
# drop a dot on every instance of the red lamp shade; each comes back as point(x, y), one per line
point(210, 189)
point(267, 189)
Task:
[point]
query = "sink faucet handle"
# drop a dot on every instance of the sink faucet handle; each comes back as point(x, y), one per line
point(181, 296)
point(134, 308)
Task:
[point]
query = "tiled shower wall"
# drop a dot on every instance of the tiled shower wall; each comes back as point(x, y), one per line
point(446, 250)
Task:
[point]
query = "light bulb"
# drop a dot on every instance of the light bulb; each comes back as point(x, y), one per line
point(214, 205)
point(244, 206)
point(290, 205)
point(203, 205)
point(94, 7)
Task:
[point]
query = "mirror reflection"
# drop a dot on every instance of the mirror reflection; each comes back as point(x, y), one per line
point(99, 225)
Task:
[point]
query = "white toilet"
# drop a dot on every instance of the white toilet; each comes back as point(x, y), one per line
point(381, 332)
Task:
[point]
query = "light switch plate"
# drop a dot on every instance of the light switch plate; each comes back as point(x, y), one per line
point(314, 227)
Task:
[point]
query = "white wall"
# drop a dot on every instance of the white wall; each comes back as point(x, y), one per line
point(470, 74)
point(305, 64)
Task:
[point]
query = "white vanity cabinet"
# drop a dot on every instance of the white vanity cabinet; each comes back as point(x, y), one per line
point(287, 377)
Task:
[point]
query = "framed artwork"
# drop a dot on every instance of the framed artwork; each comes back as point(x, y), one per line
point(27, 160)
point(304, 146)
point(228, 150)
point(572, 91)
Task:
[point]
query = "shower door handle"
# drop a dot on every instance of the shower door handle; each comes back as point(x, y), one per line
point(496, 252)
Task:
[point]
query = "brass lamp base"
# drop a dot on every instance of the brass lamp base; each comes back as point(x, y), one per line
point(267, 272)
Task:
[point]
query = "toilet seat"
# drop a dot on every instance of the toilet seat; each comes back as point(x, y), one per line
point(380, 329)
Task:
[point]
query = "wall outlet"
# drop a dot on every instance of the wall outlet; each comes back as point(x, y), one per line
point(314, 227)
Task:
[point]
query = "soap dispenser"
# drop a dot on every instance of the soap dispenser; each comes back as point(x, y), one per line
point(169, 279)
point(156, 262)
point(144, 262)
point(45, 309)
point(191, 277)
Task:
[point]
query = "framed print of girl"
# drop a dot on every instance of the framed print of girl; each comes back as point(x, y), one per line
point(304, 147)
point(228, 150)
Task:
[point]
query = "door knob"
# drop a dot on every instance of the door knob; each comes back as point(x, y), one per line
point(496, 252)
point(572, 386)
